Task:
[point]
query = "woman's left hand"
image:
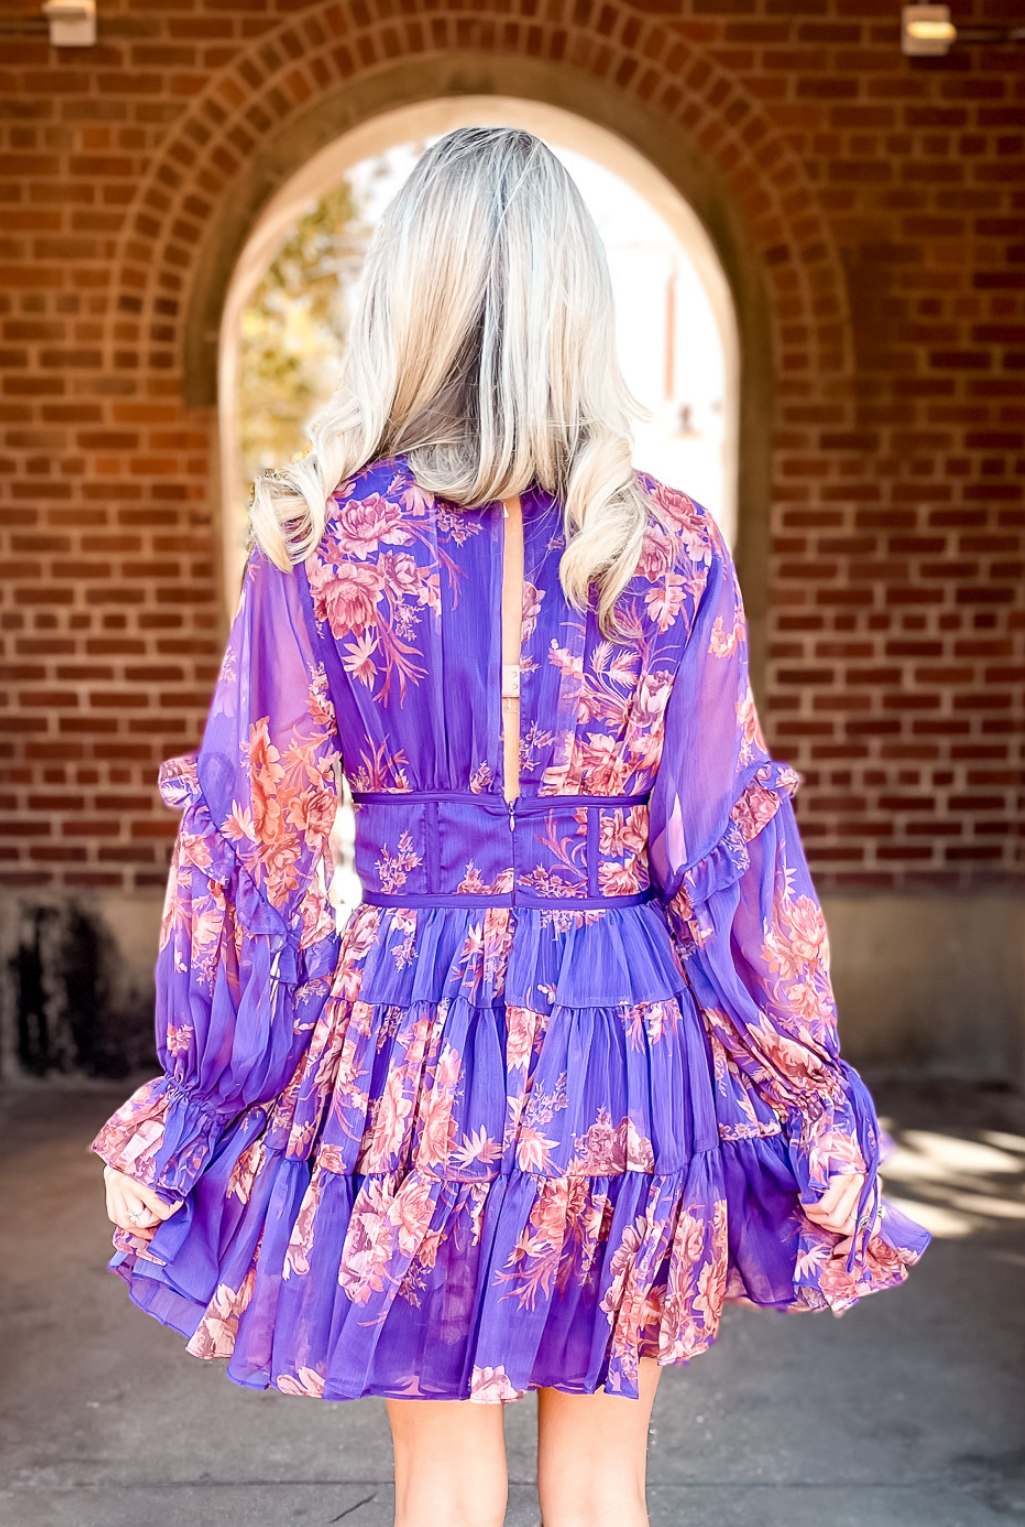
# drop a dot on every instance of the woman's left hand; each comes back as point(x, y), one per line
point(836, 1211)
point(133, 1207)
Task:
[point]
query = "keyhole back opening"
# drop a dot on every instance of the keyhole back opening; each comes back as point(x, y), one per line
point(512, 639)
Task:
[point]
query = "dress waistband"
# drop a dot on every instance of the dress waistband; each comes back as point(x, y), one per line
point(467, 848)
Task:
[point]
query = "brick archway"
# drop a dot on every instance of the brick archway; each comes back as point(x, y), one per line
point(863, 210)
point(316, 76)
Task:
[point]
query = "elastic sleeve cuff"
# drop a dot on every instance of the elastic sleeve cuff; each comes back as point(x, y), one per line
point(161, 1136)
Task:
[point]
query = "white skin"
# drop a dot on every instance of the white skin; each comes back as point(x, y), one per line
point(133, 1207)
point(450, 1465)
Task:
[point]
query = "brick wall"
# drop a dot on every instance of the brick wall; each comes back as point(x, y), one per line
point(881, 201)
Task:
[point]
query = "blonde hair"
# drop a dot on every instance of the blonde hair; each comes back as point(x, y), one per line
point(482, 349)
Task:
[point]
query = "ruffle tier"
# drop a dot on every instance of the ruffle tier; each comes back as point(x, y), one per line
point(343, 1286)
point(466, 1193)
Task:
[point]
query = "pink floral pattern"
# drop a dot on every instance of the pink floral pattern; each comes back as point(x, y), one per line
point(563, 1082)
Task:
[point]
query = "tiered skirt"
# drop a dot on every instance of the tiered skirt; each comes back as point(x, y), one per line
point(497, 1168)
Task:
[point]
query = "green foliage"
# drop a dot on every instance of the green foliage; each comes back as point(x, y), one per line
point(293, 332)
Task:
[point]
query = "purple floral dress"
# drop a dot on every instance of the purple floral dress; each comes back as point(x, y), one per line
point(558, 1086)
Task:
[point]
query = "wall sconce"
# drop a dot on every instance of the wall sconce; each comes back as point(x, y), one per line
point(72, 23)
point(926, 31)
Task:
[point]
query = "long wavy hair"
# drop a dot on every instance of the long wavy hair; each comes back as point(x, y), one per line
point(482, 347)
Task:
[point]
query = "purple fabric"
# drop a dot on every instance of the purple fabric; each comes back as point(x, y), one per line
point(558, 1087)
point(588, 848)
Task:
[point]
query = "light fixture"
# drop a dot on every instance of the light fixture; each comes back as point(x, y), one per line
point(926, 31)
point(72, 23)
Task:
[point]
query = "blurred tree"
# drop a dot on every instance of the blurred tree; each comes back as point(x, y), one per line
point(293, 332)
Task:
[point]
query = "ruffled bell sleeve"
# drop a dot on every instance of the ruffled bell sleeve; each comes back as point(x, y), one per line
point(248, 938)
point(730, 867)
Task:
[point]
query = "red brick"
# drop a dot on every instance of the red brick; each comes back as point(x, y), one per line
point(881, 204)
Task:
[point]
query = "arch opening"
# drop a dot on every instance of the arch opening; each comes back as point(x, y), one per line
point(677, 325)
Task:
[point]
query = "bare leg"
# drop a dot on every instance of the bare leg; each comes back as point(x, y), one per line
point(592, 1453)
point(450, 1468)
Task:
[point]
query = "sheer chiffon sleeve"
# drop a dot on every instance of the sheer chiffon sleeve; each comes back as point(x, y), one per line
point(248, 938)
point(730, 866)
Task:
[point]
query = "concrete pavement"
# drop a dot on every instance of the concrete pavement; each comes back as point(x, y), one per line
point(907, 1412)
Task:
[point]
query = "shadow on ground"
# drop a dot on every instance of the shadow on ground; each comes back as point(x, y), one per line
point(909, 1411)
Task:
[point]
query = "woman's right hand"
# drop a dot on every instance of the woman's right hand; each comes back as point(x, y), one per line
point(132, 1206)
point(836, 1211)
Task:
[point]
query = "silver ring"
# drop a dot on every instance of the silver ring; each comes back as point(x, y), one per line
point(135, 1215)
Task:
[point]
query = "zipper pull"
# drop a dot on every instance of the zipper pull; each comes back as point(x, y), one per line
point(512, 814)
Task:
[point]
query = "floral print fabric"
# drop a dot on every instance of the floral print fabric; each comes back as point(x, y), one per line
point(419, 848)
point(559, 1086)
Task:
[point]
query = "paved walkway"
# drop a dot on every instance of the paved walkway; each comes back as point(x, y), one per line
point(907, 1412)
